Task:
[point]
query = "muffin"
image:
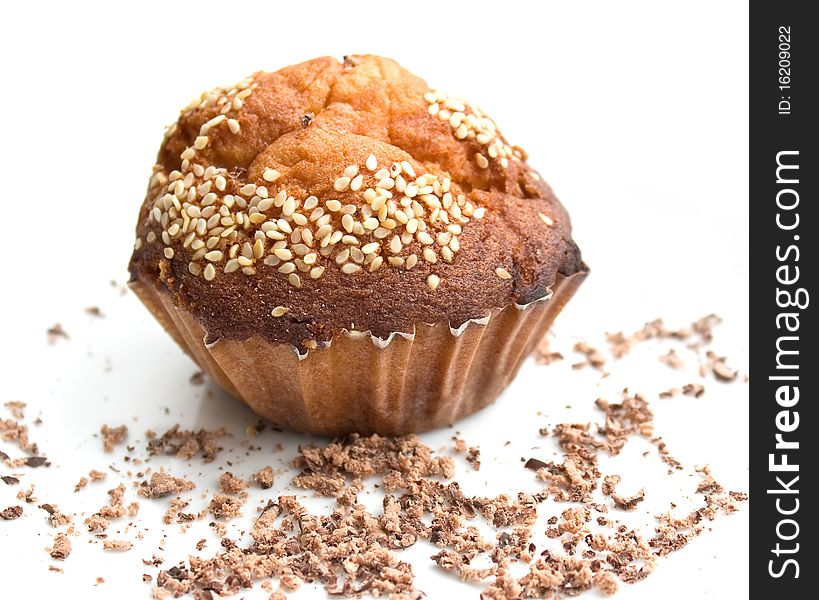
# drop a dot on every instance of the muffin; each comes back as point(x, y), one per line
point(348, 250)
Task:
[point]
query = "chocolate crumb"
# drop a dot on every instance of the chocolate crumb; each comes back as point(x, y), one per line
point(94, 311)
point(56, 332)
point(198, 378)
point(11, 513)
point(117, 545)
point(671, 360)
point(624, 502)
point(264, 478)
point(593, 356)
point(226, 507)
point(186, 444)
point(162, 484)
point(9, 480)
point(534, 464)
point(113, 436)
point(61, 548)
point(230, 484)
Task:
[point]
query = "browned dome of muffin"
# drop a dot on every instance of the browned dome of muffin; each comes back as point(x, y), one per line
point(344, 195)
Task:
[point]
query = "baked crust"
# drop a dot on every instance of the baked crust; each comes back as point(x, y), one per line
point(299, 129)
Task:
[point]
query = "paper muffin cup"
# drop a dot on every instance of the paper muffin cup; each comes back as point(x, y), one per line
point(410, 382)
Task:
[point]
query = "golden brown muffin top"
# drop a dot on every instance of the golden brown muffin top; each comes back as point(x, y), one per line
point(330, 196)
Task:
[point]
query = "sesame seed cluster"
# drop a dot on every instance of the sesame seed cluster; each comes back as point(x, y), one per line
point(392, 216)
point(469, 122)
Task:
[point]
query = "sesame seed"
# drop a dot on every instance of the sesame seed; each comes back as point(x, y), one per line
point(200, 142)
point(195, 269)
point(232, 265)
point(371, 163)
point(350, 268)
point(356, 183)
point(258, 249)
point(370, 248)
point(214, 256)
point(316, 272)
point(168, 253)
point(424, 238)
point(503, 273)
point(283, 253)
point(341, 184)
point(310, 203)
point(429, 255)
point(333, 205)
point(287, 268)
point(481, 160)
point(546, 219)
point(271, 175)
point(411, 261)
point(289, 206)
point(294, 280)
point(233, 125)
point(187, 154)
point(279, 311)
point(356, 254)
point(213, 123)
point(210, 272)
point(433, 281)
point(351, 171)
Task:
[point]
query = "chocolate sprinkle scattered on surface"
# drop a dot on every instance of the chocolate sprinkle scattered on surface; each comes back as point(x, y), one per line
point(352, 550)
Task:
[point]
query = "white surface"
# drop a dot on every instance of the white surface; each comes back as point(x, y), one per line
point(636, 113)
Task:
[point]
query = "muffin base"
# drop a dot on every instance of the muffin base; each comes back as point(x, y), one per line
point(408, 383)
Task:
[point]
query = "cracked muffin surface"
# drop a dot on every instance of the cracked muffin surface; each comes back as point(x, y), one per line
point(332, 196)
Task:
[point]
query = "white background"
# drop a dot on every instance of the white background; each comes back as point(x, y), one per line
point(636, 113)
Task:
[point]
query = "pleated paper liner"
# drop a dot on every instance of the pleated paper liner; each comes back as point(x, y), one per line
point(360, 383)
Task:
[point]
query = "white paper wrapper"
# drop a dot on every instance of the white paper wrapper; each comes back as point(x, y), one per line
point(407, 383)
